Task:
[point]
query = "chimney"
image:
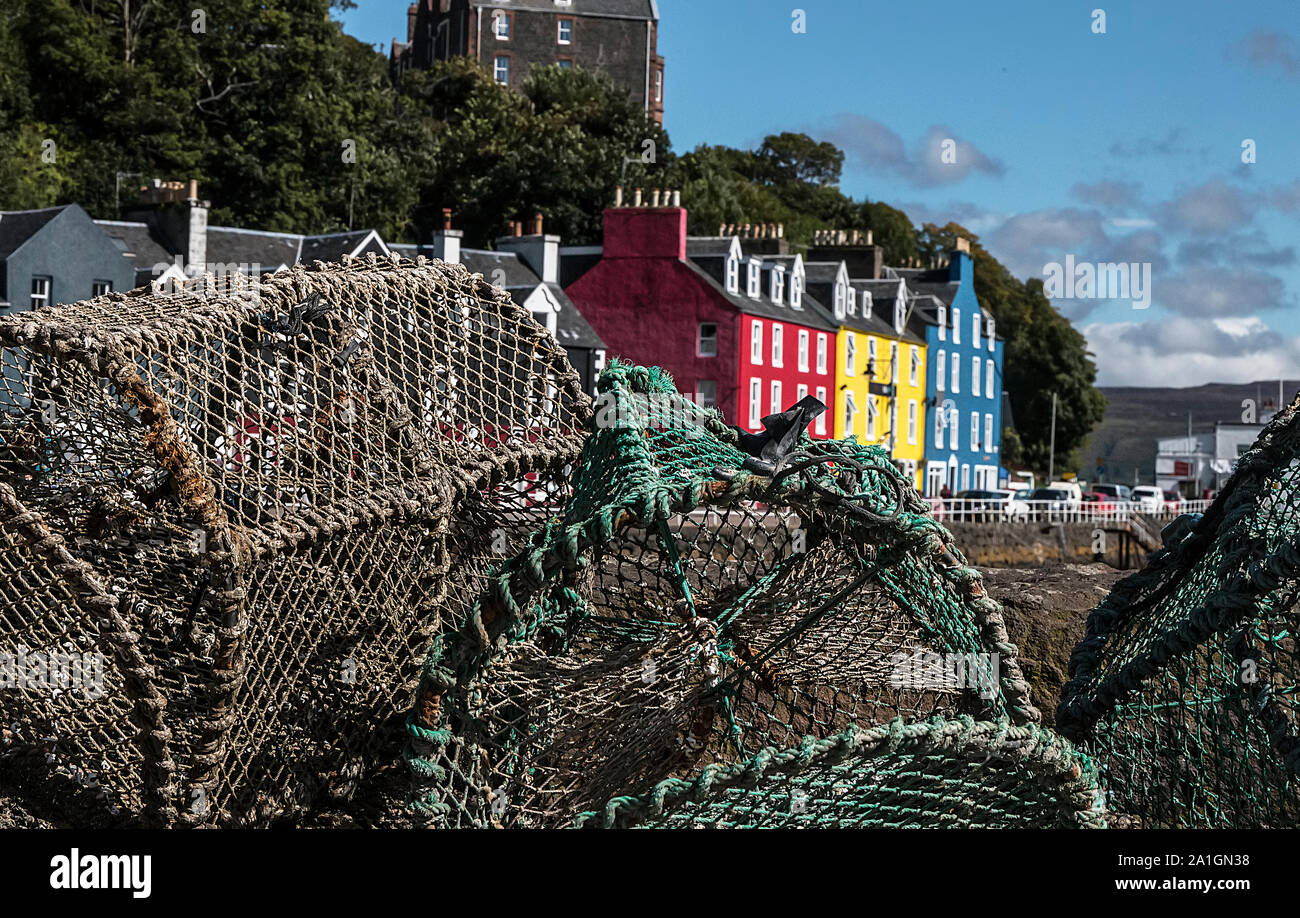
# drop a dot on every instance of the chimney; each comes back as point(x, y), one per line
point(446, 242)
point(646, 232)
point(412, 12)
point(864, 260)
point(961, 266)
point(537, 250)
point(174, 210)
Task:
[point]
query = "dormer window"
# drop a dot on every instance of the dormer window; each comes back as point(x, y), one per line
point(778, 285)
point(942, 320)
point(733, 275)
point(755, 281)
point(841, 297)
point(992, 333)
point(796, 292)
point(853, 301)
point(898, 315)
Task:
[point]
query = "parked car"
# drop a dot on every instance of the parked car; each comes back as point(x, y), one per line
point(1149, 498)
point(1016, 507)
point(1097, 501)
point(976, 505)
point(1116, 492)
point(1173, 501)
point(1074, 493)
point(1050, 503)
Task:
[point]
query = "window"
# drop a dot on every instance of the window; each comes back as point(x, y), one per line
point(754, 281)
point(871, 419)
point(821, 353)
point(893, 361)
point(871, 356)
point(733, 275)
point(940, 369)
point(796, 292)
point(706, 393)
point(911, 421)
point(939, 418)
point(954, 432)
point(803, 351)
point(502, 22)
point(778, 285)
point(101, 287)
point(975, 329)
point(502, 69)
point(988, 433)
point(975, 431)
point(777, 407)
point(755, 394)
point(956, 373)
point(756, 343)
point(988, 379)
point(965, 477)
point(850, 354)
point(565, 33)
point(853, 302)
point(778, 345)
point(992, 333)
point(659, 85)
point(898, 315)
point(565, 63)
point(850, 412)
point(974, 376)
point(708, 345)
point(820, 425)
point(40, 292)
point(956, 326)
point(801, 391)
point(942, 319)
point(913, 376)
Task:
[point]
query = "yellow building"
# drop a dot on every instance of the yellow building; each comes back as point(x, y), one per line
point(880, 373)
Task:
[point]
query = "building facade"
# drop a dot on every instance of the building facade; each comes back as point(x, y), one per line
point(56, 255)
point(964, 376)
point(736, 332)
point(616, 38)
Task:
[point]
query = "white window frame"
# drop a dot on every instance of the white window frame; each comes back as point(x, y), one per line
point(939, 424)
point(776, 401)
point(778, 344)
point(853, 301)
point(559, 30)
point(776, 287)
point(914, 366)
point(796, 291)
point(755, 402)
point(942, 317)
point(975, 376)
point(941, 372)
point(956, 326)
point(101, 287)
point(659, 85)
point(756, 343)
point(41, 296)
point(965, 476)
point(988, 433)
point(872, 369)
point(893, 362)
point(820, 425)
point(988, 378)
point(975, 431)
point(850, 412)
point(733, 274)
point(898, 315)
point(977, 323)
point(499, 17)
point(954, 381)
point(954, 429)
point(992, 333)
point(911, 421)
point(840, 297)
point(755, 281)
point(496, 69)
point(803, 350)
point(872, 413)
point(700, 339)
point(821, 352)
point(850, 354)
point(801, 392)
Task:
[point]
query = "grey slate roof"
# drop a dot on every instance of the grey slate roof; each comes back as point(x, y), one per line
point(519, 280)
point(17, 226)
point(813, 314)
point(622, 9)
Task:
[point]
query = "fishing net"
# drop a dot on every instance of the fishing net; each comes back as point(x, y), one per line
point(1184, 688)
point(234, 514)
point(705, 599)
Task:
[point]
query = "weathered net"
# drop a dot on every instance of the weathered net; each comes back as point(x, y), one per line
point(689, 612)
point(259, 501)
point(1185, 686)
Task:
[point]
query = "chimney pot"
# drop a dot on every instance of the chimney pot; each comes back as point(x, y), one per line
point(636, 198)
point(654, 197)
point(618, 195)
point(446, 218)
point(677, 197)
point(538, 224)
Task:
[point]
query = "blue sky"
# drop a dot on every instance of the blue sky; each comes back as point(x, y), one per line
point(1117, 147)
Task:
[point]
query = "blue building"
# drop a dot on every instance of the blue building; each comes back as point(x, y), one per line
point(963, 436)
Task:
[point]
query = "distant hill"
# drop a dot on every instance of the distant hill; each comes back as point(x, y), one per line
point(1137, 416)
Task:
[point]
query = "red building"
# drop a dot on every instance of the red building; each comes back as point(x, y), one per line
point(737, 331)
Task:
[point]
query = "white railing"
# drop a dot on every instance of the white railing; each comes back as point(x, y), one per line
point(981, 510)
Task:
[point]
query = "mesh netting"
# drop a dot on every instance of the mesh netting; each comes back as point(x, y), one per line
point(1185, 686)
point(691, 611)
point(252, 505)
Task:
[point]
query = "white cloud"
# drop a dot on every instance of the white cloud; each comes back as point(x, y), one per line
point(1188, 352)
